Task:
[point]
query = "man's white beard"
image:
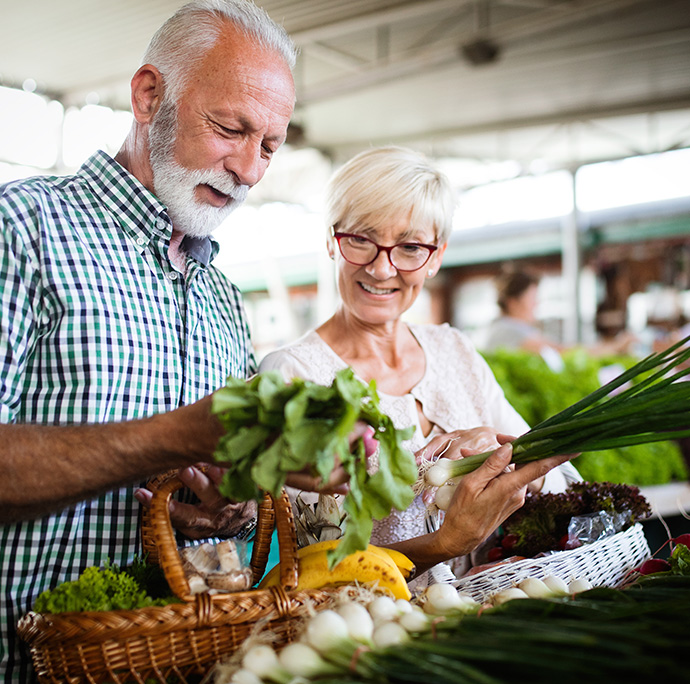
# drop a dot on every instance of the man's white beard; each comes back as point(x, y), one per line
point(175, 185)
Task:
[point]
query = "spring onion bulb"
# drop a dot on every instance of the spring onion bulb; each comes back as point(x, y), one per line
point(556, 584)
point(241, 676)
point(441, 599)
point(360, 624)
point(535, 588)
point(326, 631)
point(654, 409)
point(508, 595)
point(403, 606)
point(383, 609)
point(579, 584)
point(440, 472)
point(389, 634)
point(444, 495)
point(262, 661)
point(301, 660)
point(415, 621)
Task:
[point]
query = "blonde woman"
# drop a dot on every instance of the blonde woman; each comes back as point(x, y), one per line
point(389, 215)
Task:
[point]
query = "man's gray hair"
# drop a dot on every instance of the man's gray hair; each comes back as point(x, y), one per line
point(187, 36)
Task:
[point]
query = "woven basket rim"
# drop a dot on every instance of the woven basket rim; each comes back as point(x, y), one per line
point(503, 575)
point(204, 609)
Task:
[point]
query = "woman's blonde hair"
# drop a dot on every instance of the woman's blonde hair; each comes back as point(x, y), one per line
point(382, 184)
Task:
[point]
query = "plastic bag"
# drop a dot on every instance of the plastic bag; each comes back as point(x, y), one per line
point(217, 568)
point(588, 528)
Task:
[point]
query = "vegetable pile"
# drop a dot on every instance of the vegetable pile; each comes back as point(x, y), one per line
point(655, 408)
point(555, 632)
point(542, 523)
point(108, 588)
point(274, 428)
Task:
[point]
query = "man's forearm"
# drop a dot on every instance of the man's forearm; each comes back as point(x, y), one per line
point(45, 468)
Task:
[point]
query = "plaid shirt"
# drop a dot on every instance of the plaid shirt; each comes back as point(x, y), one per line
point(95, 326)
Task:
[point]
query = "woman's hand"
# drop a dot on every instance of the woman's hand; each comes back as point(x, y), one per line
point(486, 497)
point(461, 443)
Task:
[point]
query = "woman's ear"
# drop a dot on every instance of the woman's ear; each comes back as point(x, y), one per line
point(147, 93)
point(436, 259)
point(330, 247)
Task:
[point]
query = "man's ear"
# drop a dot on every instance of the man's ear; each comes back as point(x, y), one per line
point(147, 93)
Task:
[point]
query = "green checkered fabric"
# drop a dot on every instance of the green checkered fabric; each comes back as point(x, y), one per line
point(95, 326)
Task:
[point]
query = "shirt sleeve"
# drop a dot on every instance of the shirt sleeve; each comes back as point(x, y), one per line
point(19, 283)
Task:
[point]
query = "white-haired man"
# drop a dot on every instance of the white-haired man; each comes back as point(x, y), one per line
point(115, 328)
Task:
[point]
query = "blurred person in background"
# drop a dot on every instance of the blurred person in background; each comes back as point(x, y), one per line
point(389, 216)
point(517, 326)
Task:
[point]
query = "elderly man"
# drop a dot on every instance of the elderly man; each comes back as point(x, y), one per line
point(114, 325)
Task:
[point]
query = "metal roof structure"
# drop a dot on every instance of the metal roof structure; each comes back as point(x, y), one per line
point(562, 81)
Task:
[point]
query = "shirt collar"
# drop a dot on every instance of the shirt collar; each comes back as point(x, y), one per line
point(137, 209)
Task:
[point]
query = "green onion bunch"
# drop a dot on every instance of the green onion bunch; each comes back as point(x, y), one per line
point(655, 408)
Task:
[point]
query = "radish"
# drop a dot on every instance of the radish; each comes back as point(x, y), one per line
point(683, 539)
point(652, 565)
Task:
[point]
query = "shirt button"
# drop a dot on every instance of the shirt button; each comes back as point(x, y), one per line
point(172, 275)
point(141, 241)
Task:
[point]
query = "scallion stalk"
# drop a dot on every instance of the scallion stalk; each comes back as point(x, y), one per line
point(654, 409)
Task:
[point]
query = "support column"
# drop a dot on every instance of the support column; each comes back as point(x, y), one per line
point(571, 264)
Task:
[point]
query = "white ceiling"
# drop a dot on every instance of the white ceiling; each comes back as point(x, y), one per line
point(574, 80)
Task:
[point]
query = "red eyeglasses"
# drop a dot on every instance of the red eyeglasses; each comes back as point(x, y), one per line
point(405, 256)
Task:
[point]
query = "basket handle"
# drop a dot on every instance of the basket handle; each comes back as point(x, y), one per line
point(158, 537)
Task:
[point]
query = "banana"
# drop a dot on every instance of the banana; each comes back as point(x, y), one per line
point(367, 566)
point(405, 565)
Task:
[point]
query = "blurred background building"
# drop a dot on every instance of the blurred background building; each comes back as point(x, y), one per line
point(564, 126)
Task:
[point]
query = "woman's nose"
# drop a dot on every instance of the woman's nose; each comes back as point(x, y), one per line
point(382, 267)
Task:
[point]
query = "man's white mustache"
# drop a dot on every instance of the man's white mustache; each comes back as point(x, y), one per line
point(220, 182)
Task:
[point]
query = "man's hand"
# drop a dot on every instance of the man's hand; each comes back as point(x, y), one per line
point(337, 482)
point(214, 515)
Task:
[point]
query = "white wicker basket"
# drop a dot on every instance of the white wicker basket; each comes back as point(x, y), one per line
point(604, 563)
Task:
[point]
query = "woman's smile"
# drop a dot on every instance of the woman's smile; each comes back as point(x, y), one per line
point(377, 290)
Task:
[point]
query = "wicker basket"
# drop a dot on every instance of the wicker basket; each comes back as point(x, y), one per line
point(180, 640)
point(606, 562)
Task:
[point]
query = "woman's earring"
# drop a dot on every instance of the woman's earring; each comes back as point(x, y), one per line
point(430, 272)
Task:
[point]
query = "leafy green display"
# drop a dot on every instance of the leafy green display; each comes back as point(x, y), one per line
point(542, 523)
point(537, 392)
point(107, 588)
point(274, 428)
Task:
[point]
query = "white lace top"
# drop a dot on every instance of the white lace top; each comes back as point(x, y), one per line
point(457, 391)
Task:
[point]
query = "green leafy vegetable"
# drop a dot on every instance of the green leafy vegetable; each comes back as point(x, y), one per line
point(680, 560)
point(542, 523)
point(274, 428)
point(107, 588)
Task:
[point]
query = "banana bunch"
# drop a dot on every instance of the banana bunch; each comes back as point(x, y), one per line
point(375, 565)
